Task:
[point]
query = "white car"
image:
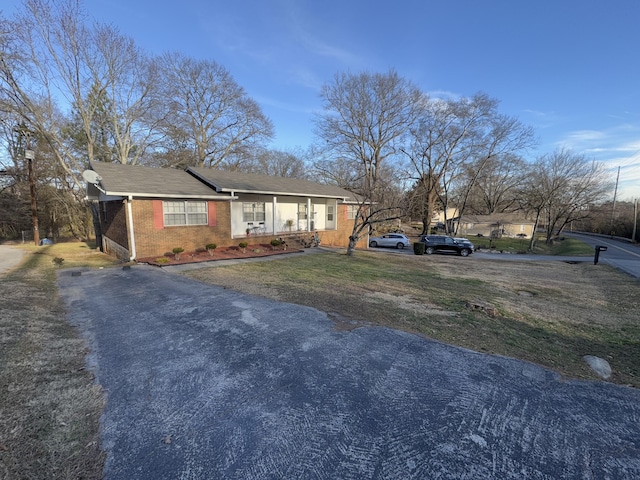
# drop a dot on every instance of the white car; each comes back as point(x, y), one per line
point(396, 240)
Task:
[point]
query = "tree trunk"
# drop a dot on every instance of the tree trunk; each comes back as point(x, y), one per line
point(426, 221)
point(352, 246)
point(533, 233)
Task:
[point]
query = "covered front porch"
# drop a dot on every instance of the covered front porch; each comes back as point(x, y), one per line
point(269, 216)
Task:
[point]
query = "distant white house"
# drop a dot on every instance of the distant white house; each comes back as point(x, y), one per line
point(497, 225)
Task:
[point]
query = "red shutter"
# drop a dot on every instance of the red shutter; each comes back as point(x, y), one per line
point(212, 214)
point(158, 215)
point(346, 212)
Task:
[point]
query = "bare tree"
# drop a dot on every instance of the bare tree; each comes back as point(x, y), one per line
point(453, 142)
point(85, 90)
point(124, 94)
point(277, 163)
point(365, 119)
point(340, 171)
point(15, 208)
point(561, 187)
point(209, 114)
point(499, 136)
point(51, 56)
point(496, 186)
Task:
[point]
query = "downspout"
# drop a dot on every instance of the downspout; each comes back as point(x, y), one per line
point(132, 256)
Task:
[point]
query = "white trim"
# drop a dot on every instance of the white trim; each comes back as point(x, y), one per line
point(131, 229)
point(172, 195)
point(274, 215)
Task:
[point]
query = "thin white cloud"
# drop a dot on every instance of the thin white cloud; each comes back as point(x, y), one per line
point(615, 147)
point(582, 137)
point(306, 77)
point(285, 106)
point(540, 119)
point(538, 113)
point(623, 138)
point(303, 35)
point(444, 95)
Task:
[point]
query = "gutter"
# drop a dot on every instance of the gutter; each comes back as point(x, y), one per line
point(132, 256)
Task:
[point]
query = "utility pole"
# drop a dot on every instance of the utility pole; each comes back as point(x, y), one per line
point(635, 219)
point(613, 209)
point(29, 155)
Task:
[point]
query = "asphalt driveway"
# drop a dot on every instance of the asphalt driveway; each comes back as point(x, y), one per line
point(203, 382)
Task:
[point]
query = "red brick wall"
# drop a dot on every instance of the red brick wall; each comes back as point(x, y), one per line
point(340, 237)
point(113, 221)
point(153, 239)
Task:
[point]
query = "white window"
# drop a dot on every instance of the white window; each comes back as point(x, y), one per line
point(302, 211)
point(330, 213)
point(253, 212)
point(185, 213)
point(352, 211)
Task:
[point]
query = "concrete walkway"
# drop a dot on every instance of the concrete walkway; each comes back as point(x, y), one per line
point(203, 382)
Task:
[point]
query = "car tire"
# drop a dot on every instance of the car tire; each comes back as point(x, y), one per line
point(465, 252)
point(429, 250)
point(373, 244)
point(400, 246)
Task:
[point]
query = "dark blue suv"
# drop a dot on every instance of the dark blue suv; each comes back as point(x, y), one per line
point(446, 244)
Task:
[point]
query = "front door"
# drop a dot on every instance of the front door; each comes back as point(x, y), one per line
point(303, 216)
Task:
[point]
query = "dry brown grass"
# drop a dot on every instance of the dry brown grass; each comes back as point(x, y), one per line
point(50, 407)
point(550, 313)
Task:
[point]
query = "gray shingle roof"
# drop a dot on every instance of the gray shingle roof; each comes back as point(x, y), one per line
point(237, 182)
point(139, 181)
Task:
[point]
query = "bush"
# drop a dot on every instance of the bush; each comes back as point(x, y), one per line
point(419, 248)
point(177, 251)
point(243, 245)
point(211, 247)
point(276, 243)
point(162, 260)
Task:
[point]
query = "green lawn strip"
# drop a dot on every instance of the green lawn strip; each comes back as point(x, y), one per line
point(567, 246)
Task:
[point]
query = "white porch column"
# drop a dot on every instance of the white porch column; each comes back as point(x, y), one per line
point(274, 215)
point(309, 215)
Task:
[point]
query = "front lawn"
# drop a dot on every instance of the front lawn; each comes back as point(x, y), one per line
point(550, 313)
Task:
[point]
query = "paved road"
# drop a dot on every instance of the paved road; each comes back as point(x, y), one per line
point(622, 255)
point(10, 257)
point(204, 382)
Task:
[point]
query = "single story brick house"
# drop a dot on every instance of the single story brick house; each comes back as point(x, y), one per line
point(499, 225)
point(146, 212)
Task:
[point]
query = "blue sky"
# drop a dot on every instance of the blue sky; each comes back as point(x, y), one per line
point(568, 68)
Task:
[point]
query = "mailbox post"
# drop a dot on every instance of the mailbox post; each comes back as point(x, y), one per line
point(599, 248)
